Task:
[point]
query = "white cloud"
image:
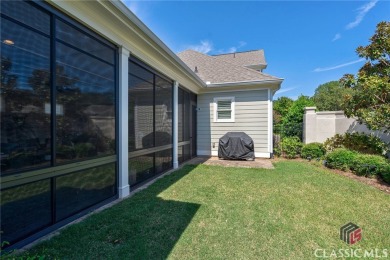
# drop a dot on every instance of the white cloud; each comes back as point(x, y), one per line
point(338, 66)
point(133, 6)
point(336, 37)
point(362, 11)
point(205, 47)
point(140, 10)
point(232, 49)
point(284, 90)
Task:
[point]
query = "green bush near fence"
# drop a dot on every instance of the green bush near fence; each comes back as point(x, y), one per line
point(291, 147)
point(368, 164)
point(313, 150)
point(340, 159)
point(357, 142)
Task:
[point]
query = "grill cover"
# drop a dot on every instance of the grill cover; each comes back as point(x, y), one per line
point(236, 145)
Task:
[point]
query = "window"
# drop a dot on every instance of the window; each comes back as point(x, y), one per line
point(85, 93)
point(224, 109)
point(25, 87)
point(73, 70)
point(57, 107)
point(150, 122)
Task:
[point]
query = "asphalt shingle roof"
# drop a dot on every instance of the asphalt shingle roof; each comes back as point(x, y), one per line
point(245, 58)
point(214, 70)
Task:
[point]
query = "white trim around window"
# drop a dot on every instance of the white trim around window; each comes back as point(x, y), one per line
point(222, 109)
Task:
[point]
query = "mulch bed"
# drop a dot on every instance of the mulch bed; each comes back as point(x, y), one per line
point(375, 181)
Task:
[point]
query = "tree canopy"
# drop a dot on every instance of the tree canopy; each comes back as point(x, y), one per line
point(292, 122)
point(369, 99)
point(281, 107)
point(330, 96)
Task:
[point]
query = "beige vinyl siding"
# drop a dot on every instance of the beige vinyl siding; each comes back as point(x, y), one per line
point(251, 117)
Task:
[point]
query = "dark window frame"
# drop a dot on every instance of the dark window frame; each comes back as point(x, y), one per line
point(54, 16)
point(28, 175)
point(155, 149)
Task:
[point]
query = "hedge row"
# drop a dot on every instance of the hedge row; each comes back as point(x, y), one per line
point(360, 164)
point(364, 155)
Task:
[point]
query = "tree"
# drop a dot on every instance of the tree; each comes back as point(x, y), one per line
point(369, 100)
point(330, 96)
point(281, 107)
point(292, 123)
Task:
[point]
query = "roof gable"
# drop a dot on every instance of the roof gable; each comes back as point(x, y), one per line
point(214, 70)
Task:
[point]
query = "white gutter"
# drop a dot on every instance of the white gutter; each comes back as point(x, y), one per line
point(245, 83)
point(133, 18)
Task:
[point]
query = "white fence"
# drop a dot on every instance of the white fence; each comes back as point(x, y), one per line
point(318, 126)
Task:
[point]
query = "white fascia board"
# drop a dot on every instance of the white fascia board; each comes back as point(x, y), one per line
point(245, 83)
point(274, 85)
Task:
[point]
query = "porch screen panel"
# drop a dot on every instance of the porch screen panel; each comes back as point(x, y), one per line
point(85, 85)
point(25, 88)
point(80, 190)
point(180, 114)
point(141, 168)
point(163, 112)
point(150, 122)
point(50, 62)
point(184, 125)
point(163, 160)
point(24, 210)
point(141, 105)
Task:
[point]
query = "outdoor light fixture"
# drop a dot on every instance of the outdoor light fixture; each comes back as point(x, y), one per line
point(8, 42)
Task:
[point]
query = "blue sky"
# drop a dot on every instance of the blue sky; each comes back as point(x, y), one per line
point(307, 43)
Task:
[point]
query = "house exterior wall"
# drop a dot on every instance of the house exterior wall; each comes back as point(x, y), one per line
point(251, 117)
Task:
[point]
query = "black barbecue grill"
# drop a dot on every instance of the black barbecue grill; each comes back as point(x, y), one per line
point(236, 146)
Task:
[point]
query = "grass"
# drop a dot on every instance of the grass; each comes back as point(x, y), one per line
point(210, 212)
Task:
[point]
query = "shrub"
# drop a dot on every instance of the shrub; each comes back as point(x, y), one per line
point(340, 158)
point(358, 142)
point(385, 173)
point(368, 164)
point(313, 150)
point(276, 145)
point(291, 147)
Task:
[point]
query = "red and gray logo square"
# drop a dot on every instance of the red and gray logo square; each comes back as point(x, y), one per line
point(350, 233)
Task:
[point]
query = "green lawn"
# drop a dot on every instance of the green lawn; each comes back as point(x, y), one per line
point(210, 212)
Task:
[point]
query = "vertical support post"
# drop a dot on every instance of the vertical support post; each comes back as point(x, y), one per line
point(123, 124)
point(270, 124)
point(175, 124)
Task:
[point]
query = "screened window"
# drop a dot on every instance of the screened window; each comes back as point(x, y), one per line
point(57, 106)
point(224, 109)
point(186, 125)
point(85, 91)
point(150, 122)
point(25, 87)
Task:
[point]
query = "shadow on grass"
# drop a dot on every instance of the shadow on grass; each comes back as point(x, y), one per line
point(144, 226)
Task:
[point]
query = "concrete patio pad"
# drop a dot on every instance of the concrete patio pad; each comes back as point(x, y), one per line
point(257, 163)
